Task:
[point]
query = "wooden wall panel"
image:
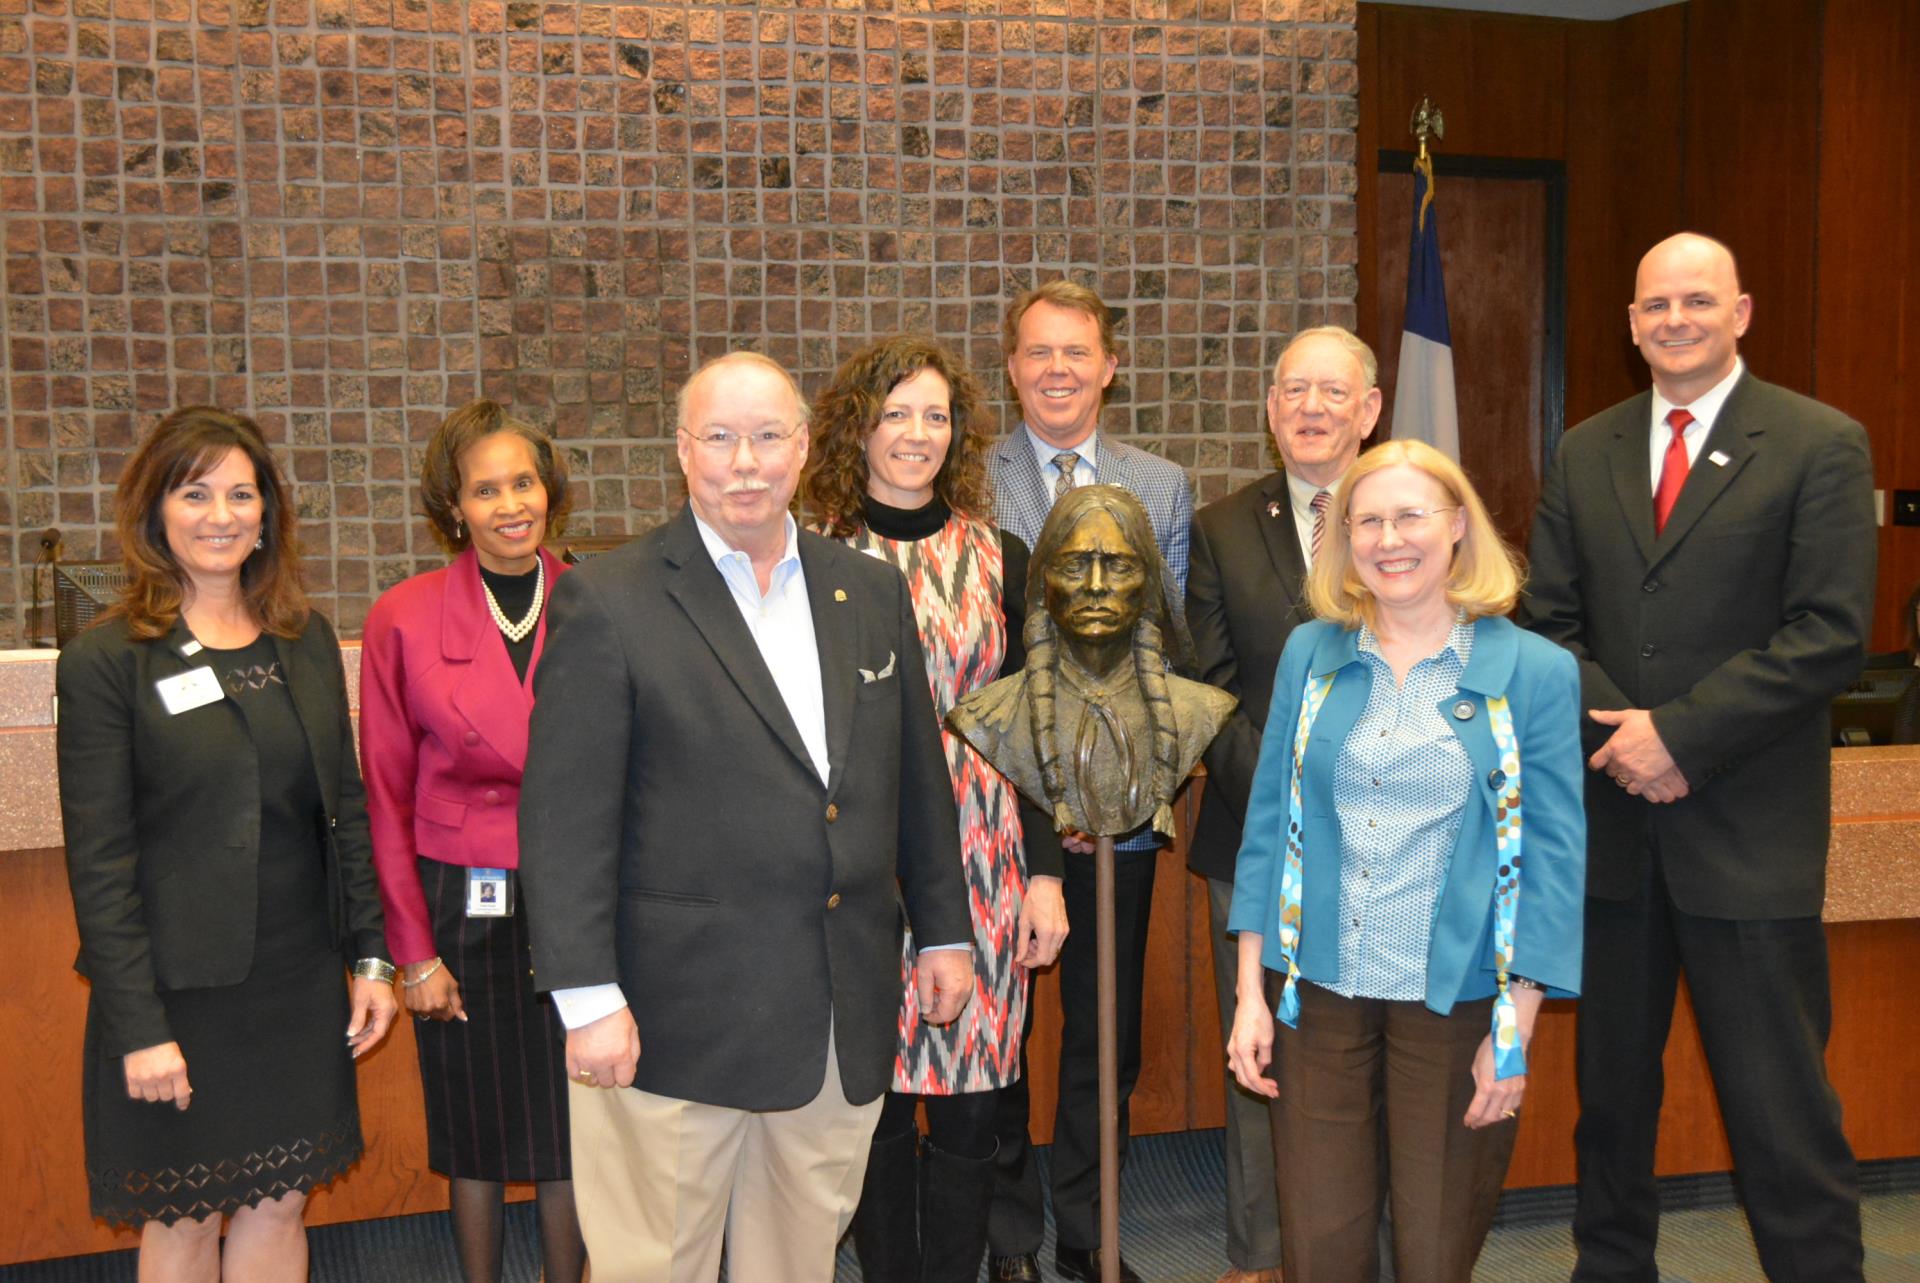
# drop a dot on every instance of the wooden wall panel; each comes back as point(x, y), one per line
point(1752, 130)
point(1625, 166)
point(1497, 79)
point(1499, 82)
point(1868, 310)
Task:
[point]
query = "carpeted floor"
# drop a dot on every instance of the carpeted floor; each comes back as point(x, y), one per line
point(1174, 1189)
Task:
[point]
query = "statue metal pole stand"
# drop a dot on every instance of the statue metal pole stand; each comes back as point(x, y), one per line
point(1109, 1064)
point(1098, 625)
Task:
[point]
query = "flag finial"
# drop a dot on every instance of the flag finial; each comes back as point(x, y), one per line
point(1427, 123)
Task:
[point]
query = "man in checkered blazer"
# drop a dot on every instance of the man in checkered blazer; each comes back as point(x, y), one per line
point(1060, 358)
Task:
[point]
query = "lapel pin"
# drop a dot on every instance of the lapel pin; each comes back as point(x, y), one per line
point(1463, 711)
point(839, 594)
point(1720, 460)
point(1273, 509)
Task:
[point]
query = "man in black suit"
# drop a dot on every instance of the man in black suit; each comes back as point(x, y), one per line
point(1706, 550)
point(733, 757)
point(1245, 592)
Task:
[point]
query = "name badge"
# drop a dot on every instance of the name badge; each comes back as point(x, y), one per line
point(489, 893)
point(189, 690)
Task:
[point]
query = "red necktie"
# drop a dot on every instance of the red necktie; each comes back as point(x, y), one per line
point(1673, 470)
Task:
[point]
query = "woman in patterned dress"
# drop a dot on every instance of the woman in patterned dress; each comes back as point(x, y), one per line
point(897, 469)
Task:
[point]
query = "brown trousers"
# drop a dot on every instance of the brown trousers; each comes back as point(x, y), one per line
point(1358, 1068)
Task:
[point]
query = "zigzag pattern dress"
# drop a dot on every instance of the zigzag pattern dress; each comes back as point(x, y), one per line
point(956, 573)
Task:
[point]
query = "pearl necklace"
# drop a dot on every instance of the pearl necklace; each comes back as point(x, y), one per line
point(518, 632)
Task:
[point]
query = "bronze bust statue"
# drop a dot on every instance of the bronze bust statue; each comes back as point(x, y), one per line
point(1095, 728)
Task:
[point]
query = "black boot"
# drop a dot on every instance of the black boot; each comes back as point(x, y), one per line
point(885, 1236)
point(954, 1196)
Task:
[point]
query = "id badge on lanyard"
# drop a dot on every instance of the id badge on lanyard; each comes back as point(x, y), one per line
point(489, 893)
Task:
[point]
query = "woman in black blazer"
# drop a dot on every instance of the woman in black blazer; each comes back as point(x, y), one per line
point(217, 849)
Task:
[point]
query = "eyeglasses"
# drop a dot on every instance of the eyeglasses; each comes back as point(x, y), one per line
point(1334, 394)
point(724, 441)
point(1408, 521)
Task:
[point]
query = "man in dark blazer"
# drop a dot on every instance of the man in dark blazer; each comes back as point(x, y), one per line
point(1706, 550)
point(734, 785)
point(1245, 592)
point(1061, 357)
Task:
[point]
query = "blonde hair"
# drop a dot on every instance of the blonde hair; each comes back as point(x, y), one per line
point(1484, 577)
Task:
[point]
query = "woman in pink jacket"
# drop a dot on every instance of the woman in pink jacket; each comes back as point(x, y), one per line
point(446, 688)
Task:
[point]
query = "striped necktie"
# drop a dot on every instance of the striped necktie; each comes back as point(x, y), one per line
point(1319, 506)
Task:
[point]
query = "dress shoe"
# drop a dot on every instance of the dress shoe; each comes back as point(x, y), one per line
point(1235, 1274)
point(1084, 1264)
point(1021, 1267)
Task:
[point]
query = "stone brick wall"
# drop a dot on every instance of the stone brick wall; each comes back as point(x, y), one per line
point(346, 216)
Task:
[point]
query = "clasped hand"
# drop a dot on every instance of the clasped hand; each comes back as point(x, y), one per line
point(1634, 756)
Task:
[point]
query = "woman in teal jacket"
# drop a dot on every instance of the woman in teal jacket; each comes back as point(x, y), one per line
point(1411, 881)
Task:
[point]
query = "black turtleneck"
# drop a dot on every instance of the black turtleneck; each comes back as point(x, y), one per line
point(515, 595)
point(910, 525)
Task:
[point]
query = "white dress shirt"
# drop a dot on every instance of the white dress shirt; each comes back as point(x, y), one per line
point(1705, 408)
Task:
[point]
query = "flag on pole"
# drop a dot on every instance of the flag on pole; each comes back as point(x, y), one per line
point(1423, 404)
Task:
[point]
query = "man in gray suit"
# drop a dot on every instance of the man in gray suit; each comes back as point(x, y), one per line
point(734, 784)
point(1246, 591)
point(1706, 551)
point(1061, 358)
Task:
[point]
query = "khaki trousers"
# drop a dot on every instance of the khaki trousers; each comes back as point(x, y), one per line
point(1358, 1067)
point(659, 1182)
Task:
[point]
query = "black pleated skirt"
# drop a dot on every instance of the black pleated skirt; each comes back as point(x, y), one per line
point(496, 1085)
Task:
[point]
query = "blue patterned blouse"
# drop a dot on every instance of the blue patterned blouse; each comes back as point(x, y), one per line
point(1400, 786)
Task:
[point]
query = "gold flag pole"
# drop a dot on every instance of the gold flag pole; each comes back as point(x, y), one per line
point(1427, 123)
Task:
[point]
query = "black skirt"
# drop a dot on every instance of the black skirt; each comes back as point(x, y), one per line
point(496, 1085)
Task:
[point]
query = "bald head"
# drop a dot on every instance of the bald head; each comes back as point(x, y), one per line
point(1688, 314)
point(718, 367)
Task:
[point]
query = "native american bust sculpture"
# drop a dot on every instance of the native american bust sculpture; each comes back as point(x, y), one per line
point(1094, 728)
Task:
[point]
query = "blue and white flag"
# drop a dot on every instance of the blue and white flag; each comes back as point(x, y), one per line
point(1423, 404)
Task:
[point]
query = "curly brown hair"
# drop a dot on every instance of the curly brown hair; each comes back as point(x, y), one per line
point(184, 446)
point(440, 469)
point(846, 413)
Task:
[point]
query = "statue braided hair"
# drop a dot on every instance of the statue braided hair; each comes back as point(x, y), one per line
point(1157, 622)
